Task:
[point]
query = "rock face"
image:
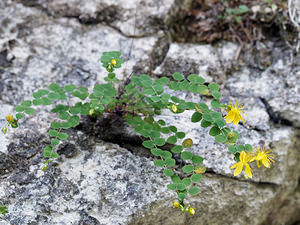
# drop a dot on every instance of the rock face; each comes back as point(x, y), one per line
point(103, 176)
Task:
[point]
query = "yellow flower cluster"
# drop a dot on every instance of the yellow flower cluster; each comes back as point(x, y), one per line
point(182, 208)
point(261, 155)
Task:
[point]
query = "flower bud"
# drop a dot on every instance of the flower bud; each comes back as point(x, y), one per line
point(4, 130)
point(192, 211)
point(9, 118)
point(174, 108)
point(113, 62)
point(176, 204)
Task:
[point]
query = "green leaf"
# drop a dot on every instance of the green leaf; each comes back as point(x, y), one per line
point(70, 88)
point(19, 108)
point(180, 135)
point(194, 191)
point(172, 140)
point(156, 151)
point(46, 101)
point(54, 155)
point(65, 125)
point(220, 138)
point(214, 131)
point(37, 101)
point(243, 9)
point(178, 76)
point(216, 94)
point(184, 85)
point(213, 87)
point(55, 125)
point(48, 148)
point(29, 111)
point(176, 179)
point(62, 136)
point(173, 129)
point(53, 133)
point(26, 103)
point(186, 155)
point(148, 144)
point(161, 122)
point(159, 163)
point(166, 154)
point(64, 115)
point(195, 79)
point(215, 103)
point(181, 196)
point(205, 123)
point(54, 87)
point(181, 186)
point(248, 147)
point(207, 117)
point(168, 172)
point(165, 130)
point(54, 142)
point(188, 168)
point(47, 154)
point(187, 181)
point(196, 178)
point(170, 162)
point(202, 89)
point(220, 123)
point(194, 88)
point(53, 95)
point(177, 149)
point(172, 187)
point(232, 149)
point(20, 116)
point(197, 159)
point(73, 121)
point(196, 117)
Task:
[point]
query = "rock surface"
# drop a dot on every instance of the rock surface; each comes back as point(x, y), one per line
point(103, 175)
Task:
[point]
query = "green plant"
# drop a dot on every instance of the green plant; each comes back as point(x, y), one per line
point(3, 209)
point(138, 102)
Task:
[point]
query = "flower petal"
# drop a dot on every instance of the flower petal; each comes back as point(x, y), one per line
point(230, 117)
point(241, 118)
point(233, 166)
point(236, 119)
point(248, 171)
point(266, 162)
point(242, 156)
point(238, 169)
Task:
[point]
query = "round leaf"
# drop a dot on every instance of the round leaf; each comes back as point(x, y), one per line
point(196, 117)
point(196, 178)
point(194, 191)
point(20, 116)
point(188, 168)
point(186, 155)
point(159, 163)
point(177, 149)
point(168, 172)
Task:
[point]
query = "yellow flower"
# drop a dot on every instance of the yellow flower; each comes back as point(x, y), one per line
point(113, 62)
point(234, 113)
point(176, 204)
point(244, 159)
point(9, 118)
point(262, 156)
point(192, 211)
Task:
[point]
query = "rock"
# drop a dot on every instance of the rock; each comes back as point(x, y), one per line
point(134, 18)
point(85, 189)
point(103, 175)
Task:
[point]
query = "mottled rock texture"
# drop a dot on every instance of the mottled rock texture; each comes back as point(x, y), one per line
point(103, 175)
